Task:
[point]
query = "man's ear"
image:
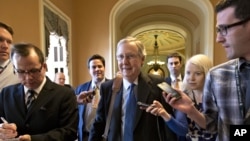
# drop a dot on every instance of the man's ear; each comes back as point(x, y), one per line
point(143, 59)
point(45, 66)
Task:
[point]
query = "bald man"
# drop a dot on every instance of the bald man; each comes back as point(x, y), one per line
point(60, 79)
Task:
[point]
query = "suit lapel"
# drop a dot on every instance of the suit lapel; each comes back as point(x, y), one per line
point(143, 91)
point(44, 96)
point(116, 115)
point(20, 104)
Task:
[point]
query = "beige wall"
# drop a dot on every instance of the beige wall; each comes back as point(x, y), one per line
point(23, 17)
point(90, 29)
point(90, 35)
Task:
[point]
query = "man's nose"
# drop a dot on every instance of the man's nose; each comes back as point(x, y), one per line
point(219, 38)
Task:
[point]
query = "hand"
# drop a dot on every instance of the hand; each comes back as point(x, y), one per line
point(85, 97)
point(158, 110)
point(25, 137)
point(183, 104)
point(8, 131)
point(119, 74)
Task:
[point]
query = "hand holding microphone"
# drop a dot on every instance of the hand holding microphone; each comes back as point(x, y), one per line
point(85, 97)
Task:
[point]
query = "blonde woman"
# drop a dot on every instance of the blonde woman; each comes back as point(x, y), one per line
point(195, 73)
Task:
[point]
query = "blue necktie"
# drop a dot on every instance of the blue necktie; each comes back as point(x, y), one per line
point(130, 115)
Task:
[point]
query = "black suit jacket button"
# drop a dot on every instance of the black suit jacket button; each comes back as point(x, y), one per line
point(27, 125)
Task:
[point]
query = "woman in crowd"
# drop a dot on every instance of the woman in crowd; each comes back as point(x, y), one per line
point(195, 73)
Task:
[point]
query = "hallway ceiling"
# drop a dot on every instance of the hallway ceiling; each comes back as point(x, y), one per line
point(167, 40)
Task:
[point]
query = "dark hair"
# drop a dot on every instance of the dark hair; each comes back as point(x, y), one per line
point(23, 49)
point(7, 27)
point(177, 55)
point(242, 7)
point(96, 56)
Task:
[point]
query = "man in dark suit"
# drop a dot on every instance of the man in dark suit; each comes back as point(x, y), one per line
point(174, 65)
point(36, 109)
point(135, 87)
point(88, 105)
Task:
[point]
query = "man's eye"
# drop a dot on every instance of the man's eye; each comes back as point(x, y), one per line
point(20, 71)
point(33, 70)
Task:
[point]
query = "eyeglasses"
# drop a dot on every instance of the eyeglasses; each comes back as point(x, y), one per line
point(222, 29)
point(30, 72)
point(126, 56)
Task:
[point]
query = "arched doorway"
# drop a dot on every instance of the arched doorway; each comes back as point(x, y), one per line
point(192, 19)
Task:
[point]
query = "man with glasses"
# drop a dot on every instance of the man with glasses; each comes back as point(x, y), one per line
point(36, 108)
point(129, 122)
point(226, 96)
point(7, 76)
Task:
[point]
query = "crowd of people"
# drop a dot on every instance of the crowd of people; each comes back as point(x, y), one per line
point(212, 97)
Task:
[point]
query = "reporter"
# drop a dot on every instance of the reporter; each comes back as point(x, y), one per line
point(195, 72)
point(226, 91)
point(34, 105)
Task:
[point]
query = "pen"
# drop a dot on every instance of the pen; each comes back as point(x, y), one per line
point(4, 120)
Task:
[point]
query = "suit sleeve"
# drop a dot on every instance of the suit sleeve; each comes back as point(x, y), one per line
point(178, 124)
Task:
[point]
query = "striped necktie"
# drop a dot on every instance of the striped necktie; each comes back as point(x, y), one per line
point(31, 98)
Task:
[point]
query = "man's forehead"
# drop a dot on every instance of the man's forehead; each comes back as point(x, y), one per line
point(173, 59)
point(95, 62)
point(226, 16)
point(4, 34)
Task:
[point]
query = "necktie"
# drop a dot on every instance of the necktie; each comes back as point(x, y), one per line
point(91, 109)
point(130, 115)
point(1, 69)
point(96, 97)
point(176, 84)
point(31, 98)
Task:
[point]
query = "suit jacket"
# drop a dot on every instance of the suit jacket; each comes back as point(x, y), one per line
point(145, 126)
point(168, 80)
point(52, 116)
point(82, 108)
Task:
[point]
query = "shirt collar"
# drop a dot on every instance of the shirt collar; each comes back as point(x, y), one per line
point(93, 84)
point(241, 63)
point(126, 84)
point(173, 78)
point(5, 63)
